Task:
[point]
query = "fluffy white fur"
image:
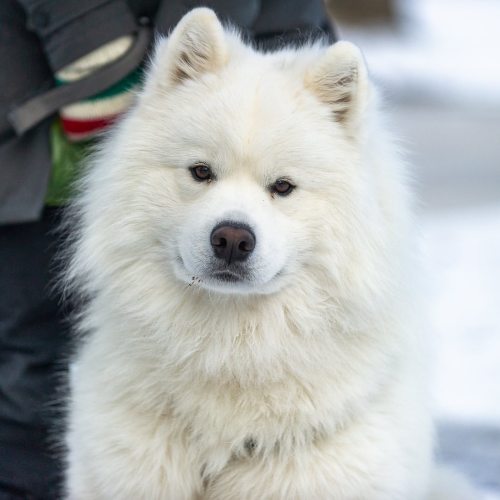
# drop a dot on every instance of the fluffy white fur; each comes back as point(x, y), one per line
point(306, 379)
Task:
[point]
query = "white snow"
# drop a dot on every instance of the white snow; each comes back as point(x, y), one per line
point(462, 249)
point(463, 255)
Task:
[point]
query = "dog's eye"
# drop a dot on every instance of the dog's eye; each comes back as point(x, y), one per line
point(201, 172)
point(282, 187)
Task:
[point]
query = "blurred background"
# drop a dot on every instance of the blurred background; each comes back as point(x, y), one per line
point(438, 64)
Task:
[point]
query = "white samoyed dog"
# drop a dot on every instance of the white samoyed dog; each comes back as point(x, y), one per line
point(245, 248)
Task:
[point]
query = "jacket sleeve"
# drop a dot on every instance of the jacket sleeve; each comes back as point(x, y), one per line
point(69, 29)
point(24, 161)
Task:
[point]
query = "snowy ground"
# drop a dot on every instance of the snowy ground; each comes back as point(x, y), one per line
point(463, 256)
point(440, 73)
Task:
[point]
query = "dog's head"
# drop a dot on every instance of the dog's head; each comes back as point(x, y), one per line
point(239, 171)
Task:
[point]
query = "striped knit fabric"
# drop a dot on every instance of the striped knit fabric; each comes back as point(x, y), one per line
point(85, 119)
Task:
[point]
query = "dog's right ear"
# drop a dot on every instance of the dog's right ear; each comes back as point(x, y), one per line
point(196, 46)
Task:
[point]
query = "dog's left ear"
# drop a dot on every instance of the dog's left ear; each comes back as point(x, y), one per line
point(340, 80)
point(195, 47)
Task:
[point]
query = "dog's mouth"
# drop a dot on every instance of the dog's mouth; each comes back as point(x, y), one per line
point(227, 276)
point(235, 278)
point(220, 275)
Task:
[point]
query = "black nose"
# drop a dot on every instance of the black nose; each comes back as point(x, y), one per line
point(232, 241)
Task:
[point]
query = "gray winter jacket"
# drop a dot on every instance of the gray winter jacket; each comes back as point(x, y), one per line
point(39, 37)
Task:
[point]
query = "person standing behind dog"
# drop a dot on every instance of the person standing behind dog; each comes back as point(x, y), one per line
point(69, 69)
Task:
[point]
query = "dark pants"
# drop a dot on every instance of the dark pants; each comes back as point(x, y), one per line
point(33, 351)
